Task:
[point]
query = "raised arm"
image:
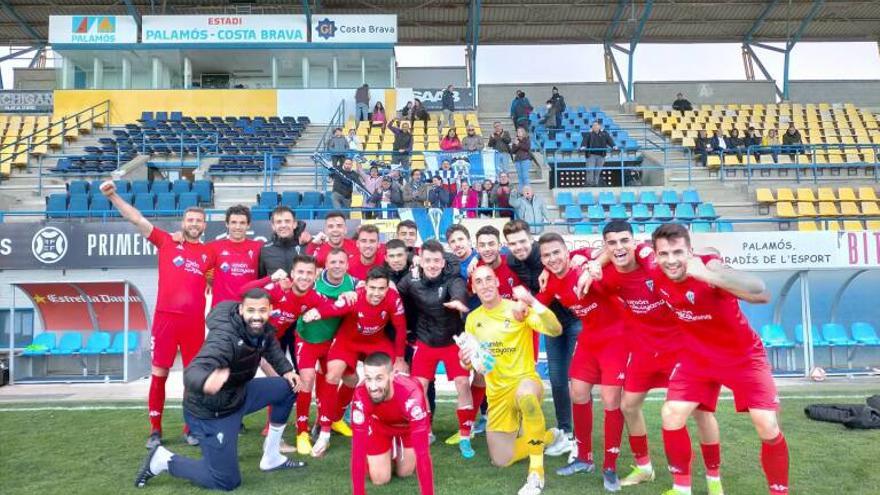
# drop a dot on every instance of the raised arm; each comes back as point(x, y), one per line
point(128, 212)
point(539, 317)
point(743, 285)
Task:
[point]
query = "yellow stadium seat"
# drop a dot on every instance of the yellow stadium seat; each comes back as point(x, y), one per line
point(867, 194)
point(713, 161)
point(805, 194)
point(806, 209)
point(852, 226)
point(807, 226)
point(846, 194)
point(872, 225)
point(785, 210)
point(870, 208)
point(826, 194)
point(849, 208)
point(828, 209)
point(764, 195)
point(832, 226)
point(5, 169)
point(784, 194)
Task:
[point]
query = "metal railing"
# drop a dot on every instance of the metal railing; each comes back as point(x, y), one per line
point(336, 120)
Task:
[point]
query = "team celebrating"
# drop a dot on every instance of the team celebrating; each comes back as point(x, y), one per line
point(308, 309)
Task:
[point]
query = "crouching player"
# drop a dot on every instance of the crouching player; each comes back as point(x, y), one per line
point(390, 421)
point(502, 330)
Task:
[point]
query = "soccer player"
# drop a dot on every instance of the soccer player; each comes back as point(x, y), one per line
point(362, 331)
point(408, 232)
point(236, 258)
point(489, 250)
point(390, 428)
point(599, 359)
point(368, 254)
point(313, 342)
point(179, 320)
point(221, 390)
point(439, 299)
point(332, 237)
point(654, 341)
point(525, 261)
point(720, 348)
point(459, 240)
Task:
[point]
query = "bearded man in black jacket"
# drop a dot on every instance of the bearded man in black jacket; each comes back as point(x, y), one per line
point(220, 389)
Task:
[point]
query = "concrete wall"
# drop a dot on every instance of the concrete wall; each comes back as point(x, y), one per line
point(24, 78)
point(862, 93)
point(496, 98)
point(431, 77)
point(699, 92)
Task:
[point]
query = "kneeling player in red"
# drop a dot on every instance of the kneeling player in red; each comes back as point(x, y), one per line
point(391, 426)
point(720, 348)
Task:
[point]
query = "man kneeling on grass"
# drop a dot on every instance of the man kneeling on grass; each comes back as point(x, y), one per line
point(220, 389)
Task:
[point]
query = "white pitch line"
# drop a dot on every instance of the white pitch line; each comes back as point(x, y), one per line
point(439, 401)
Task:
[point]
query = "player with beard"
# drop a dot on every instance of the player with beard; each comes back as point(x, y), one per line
point(333, 236)
point(236, 258)
point(369, 252)
point(179, 320)
point(390, 428)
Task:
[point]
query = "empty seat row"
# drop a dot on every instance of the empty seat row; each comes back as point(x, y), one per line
point(864, 193)
point(640, 211)
point(150, 204)
point(204, 188)
point(71, 343)
point(307, 204)
point(831, 335)
point(608, 198)
point(696, 226)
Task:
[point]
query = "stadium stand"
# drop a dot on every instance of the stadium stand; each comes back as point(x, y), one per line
point(845, 209)
point(156, 198)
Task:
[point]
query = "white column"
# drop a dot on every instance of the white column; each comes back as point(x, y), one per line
point(305, 72)
point(274, 72)
point(363, 70)
point(157, 73)
point(187, 73)
point(66, 73)
point(126, 73)
point(335, 77)
point(393, 67)
point(97, 73)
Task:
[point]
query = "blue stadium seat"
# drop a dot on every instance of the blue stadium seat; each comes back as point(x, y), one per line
point(684, 212)
point(835, 335)
point(205, 190)
point(669, 197)
point(267, 200)
point(140, 186)
point(78, 207)
point(145, 202)
point(690, 196)
point(818, 341)
point(146, 117)
point(187, 200)
point(618, 212)
point(585, 199)
point(606, 198)
point(563, 199)
point(70, 343)
point(180, 186)
point(56, 205)
point(596, 213)
point(572, 213)
point(118, 345)
point(584, 229)
point(122, 186)
point(706, 211)
point(724, 227)
point(95, 187)
point(45, 339)
point(160, 116)
point(774, 337)
point(701, 226)
point(662, 212)
point(651, 227)
point(166, 203)
point(78, 187)
point(865, 334)
point(160, 186)
point(291, 198)
point(648, 198)
point(641, 212)
point(100, 206)
point(97, 343)
point(176, 116)
point(627, 198)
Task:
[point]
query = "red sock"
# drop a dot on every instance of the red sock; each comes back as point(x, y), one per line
point(678, 454)
point(466, 416)
point(327, 398)
point(477, 396)
point(343, 399)
point(774, 460)
point(156, 402)
point(303, 404)
point(712, 458)
point(613, 436)
point(582, 414)
point(638, 444)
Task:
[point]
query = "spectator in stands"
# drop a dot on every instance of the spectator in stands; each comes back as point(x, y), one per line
point(415, 193)
point(438, 196)
point(371, 183)
point(753, 142)
point(466, 199)
point(354, 143)
point(702, 147)
point(406, 111)
point(472, 142)
point(450, 142)
point(521, 146)
point(718, 144)
point(558, 105)
point(447, 102)
point(403, 144)
point(771, 144)
point(792, 142)
point(362, 103)
point(736, 144)
point(520, 108)
point(500, 142)
point(419, 112)
point(681, 104)
point(530, 208)
point(343, 184)
point(338, 148)
point(595, 144)
point(486, 199)
point(502, 195)
point(550, 121)
point(389, 194)
point(449, 177)
point(378, 118)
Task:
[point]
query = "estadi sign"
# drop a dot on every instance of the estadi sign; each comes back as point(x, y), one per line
point(354, 29)
point(92, 29)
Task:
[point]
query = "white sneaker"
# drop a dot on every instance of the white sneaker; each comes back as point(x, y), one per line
point(534, 485)
point(560, 444)
point(573, 454)
point(321, 445)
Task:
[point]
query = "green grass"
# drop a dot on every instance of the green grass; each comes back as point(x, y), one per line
point(96, 452)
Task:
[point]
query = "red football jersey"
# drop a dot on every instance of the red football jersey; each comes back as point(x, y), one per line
point(600, 314)
point(365, 323)
point(358, 270)
point(182, 269)
point(287, 305)
point(235, 264)
point(506, 277)
point(320, 251)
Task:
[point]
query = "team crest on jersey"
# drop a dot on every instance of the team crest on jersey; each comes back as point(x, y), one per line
point(251, 253)
point(180, 246)
point(302, 309)
point(506, 323)
point(510, 281)
point(224, 267)
point(383, 314)
point(440, 292)
point(283, 299)
point(650, 284)
point(178, 261)
point(204, 258)
point(690, 296)
point(360, 315)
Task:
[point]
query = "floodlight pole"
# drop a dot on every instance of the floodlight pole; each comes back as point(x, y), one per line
point(472, 40)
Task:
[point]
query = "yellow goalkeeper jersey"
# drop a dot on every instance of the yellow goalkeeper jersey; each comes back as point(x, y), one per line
point(510, 342)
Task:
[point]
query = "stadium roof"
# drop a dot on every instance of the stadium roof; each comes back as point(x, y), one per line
point(436, 22)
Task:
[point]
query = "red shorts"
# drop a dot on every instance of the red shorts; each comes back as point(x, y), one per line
point(173, 330)
point(309, 355)
point(645, 370)
point(425, 359)
point(381, 439)
point(599, 364)
point(751, 383)
point(352, 352)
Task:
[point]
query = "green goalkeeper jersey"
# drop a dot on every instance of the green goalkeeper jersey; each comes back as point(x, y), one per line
point(320, 331)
